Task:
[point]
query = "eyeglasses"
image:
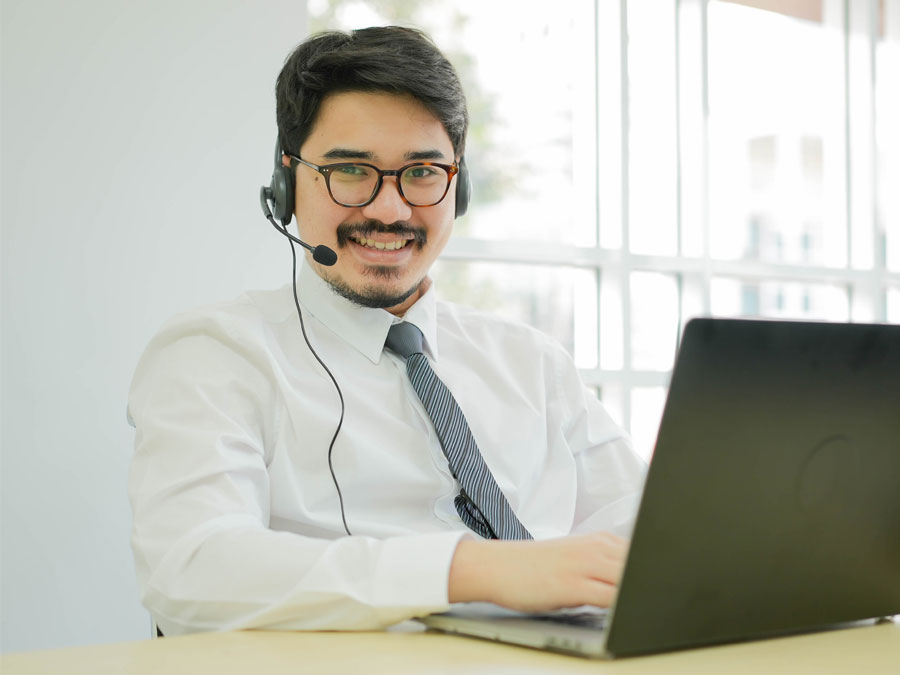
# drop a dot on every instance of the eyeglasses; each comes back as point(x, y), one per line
point(354, 184)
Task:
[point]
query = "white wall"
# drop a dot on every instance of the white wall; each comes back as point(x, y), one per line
point(135, 136)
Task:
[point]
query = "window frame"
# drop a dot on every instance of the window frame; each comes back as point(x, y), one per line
point(865, 275)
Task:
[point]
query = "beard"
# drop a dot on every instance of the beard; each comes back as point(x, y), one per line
point(375, 295)
point(372, 296)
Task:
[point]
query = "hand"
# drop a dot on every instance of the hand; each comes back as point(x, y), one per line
point(533, 576)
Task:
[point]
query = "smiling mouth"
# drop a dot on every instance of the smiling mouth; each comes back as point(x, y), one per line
point(381, 237)
point(380, 245)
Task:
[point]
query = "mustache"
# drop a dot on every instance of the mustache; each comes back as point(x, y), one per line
point(368, 227)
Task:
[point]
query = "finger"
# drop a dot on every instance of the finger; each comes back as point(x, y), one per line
point(610, 546)
point(597, 562)
point(607, 570)
point(615, 544)
point(599, 594)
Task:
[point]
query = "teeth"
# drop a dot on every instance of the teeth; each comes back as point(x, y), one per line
point(381, 246)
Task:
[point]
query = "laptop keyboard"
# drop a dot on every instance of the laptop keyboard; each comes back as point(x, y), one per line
point(596, 620)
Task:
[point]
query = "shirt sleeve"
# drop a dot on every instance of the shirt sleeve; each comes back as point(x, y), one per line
point(610, 474)
point(203, 406)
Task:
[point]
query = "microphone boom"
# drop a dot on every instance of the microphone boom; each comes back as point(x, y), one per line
point(321, 253)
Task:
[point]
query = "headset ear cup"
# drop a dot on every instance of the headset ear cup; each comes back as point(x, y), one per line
point(283, 194)
point(463, 188)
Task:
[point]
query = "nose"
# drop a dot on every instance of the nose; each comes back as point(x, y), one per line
point(388, 206)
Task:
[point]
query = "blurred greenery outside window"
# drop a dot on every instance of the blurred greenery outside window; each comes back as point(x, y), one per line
point(637, 164)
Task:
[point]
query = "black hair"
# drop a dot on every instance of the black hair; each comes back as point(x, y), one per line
point(389, 59)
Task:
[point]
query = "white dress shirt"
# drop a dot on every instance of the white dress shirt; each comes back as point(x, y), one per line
point(237, 522)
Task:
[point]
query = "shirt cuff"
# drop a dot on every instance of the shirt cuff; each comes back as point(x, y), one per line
point(414, 572)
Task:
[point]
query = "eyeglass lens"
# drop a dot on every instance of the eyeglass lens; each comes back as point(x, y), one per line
point(420, 184)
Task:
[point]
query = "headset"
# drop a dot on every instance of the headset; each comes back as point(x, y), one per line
point(280, 194)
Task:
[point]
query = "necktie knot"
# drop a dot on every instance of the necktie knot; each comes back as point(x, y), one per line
point(404, 339)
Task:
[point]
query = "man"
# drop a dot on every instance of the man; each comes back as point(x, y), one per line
point(290, 475)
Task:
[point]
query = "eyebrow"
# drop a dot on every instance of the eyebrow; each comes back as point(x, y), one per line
point(348, 153)
point(424, 155)
point(352, 153)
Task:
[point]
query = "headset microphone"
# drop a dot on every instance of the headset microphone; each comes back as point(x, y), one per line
point(321, 253)
point(281, 193)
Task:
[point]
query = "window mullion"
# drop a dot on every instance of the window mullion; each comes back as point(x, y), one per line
point(860, 90)
point(625, 268)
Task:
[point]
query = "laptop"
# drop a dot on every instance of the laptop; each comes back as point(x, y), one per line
point(772, 503)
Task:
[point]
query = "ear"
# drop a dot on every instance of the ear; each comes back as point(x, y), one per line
point(285, 160)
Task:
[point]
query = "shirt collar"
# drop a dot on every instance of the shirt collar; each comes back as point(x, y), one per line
point(363, 328)
point(423, 314)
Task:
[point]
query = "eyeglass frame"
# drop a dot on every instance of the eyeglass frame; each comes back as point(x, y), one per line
point(327, 169)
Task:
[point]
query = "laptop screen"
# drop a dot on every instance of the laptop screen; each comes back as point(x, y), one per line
point(772, 502)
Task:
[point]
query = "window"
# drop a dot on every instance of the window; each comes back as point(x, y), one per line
point(887, 134)
point(639, 163)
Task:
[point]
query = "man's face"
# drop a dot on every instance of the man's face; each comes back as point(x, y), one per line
point(385, 248)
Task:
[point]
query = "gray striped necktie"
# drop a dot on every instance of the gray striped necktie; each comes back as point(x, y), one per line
point(480, 504)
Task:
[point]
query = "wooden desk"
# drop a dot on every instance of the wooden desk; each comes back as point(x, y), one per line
point(871, 649)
